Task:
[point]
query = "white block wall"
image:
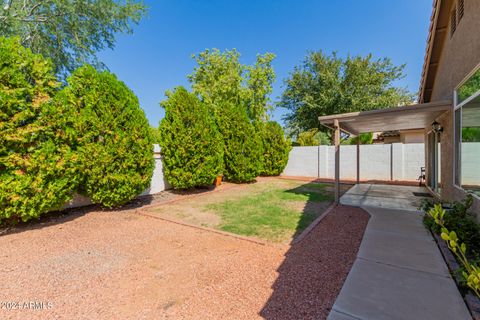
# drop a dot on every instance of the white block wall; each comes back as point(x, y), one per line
point(377, 161)
point(471, 163)
point(303, 161)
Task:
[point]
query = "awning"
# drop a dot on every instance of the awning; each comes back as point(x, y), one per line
point(417, 116)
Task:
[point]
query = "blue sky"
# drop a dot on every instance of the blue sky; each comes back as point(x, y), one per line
point(157, 56)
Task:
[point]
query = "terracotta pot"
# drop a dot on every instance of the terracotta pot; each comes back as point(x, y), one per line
point(218, 181)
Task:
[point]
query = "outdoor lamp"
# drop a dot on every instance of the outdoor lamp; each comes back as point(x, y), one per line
point(436, 127)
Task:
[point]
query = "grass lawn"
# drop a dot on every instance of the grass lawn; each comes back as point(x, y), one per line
point(272, 209)
point(273, 213)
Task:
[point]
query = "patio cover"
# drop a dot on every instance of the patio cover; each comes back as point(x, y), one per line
point(417, 116)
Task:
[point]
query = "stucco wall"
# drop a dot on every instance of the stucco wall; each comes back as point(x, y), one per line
point(377, 162)
point(412, 137)
point(460, 54)
point(449, 191)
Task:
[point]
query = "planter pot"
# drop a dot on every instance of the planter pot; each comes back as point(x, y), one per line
point(218, 181)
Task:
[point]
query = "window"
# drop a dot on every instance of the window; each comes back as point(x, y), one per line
point(456, 15)
point(467, 134)
point(461, 9)
point(453, 22)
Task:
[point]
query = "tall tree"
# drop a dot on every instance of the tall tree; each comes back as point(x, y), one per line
point(219, 78)
point(192, 147)
point(69, 32)
point(327, 84)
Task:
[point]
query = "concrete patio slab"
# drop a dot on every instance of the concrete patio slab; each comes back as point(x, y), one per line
point(399, 272)
point(383, 196)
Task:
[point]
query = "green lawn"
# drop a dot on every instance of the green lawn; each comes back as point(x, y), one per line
point(275, 213)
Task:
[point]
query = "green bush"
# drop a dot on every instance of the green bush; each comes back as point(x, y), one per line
point(242, 144)
point(192, 148)
point(312, 137)
point(37, 167)
point(458, 219)
point(113, 137)
point(469, 267)
point(275, 149)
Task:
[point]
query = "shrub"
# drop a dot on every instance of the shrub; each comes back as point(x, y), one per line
point(275, 149)
point(312, 137)
point(242, 144)
point(192, 148)
point(463, 224)
point(471, 271)
point(37, 171)
point(113, 137)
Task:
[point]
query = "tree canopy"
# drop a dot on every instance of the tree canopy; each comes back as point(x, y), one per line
point(328, 84)
point(112, 136)
point(219, 78)
point(312, 137)
point(69, 32)
point(275, 149)
point(192, 147)
point(37, 166)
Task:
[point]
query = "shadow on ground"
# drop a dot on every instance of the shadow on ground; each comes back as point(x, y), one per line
point(314, 269)
point(70, 214)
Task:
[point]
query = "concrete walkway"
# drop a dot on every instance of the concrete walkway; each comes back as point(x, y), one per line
point(384, 196)
point(399, 272)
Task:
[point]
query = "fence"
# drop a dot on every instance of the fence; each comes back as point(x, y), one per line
point(379, 162)
point(395, 161)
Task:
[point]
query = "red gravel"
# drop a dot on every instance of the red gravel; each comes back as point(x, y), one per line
point(121, 265)
point(313, 272)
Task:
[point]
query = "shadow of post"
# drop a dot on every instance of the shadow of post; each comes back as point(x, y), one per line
point(314, 269)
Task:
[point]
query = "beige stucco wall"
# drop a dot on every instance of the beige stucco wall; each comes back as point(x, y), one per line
point(460, 54)
point(412, 136)
point(449, 191)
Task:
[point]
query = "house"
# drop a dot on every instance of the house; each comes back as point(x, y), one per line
point(448, 112)
point(399, 136)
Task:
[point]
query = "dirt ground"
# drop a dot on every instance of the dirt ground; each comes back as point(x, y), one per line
point(196, 211)
point(122, 265)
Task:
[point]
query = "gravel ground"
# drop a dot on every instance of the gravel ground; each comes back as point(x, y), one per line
point(122, 265)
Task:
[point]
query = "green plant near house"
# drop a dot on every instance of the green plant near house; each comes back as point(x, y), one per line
point(459, 220)
point(192, 147)
point(472, 272)
point(37, 165)
point(242, 144)
point(275, 149)
point(113, 140)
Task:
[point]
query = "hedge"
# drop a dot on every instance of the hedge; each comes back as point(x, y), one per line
point(37, 165)
point(275, 149)
point(192, 148)
point(242, 144)
point(112, 137)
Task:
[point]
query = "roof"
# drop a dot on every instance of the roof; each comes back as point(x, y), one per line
point(390, 133)
point(435, 41)
point(417, 116)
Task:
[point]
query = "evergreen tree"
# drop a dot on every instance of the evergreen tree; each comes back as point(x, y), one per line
point(192, 147)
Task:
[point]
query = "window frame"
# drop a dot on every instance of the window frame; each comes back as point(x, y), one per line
point(457, 106)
